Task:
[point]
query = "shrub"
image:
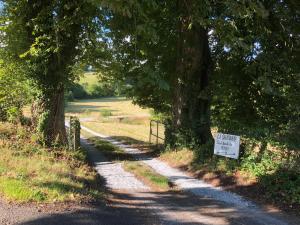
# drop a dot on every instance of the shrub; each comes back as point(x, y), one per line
point(78, 91)
point(14, 114)
point(15, 91)
point(282, 185)
point(100, 90)
point(69, 96)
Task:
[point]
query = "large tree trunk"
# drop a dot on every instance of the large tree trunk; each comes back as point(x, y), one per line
point(55, 132)
point(52, 71)
point(48, 116)
point(190, 107)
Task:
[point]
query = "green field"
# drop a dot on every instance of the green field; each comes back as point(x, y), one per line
point(89, 79)
point(117, 117)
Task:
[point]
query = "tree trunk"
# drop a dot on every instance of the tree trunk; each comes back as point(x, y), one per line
point(191, 104)
point(52, 70)
point(55, 131)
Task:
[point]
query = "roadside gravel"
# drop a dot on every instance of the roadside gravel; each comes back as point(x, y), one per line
point(182, 180)
point(113, 173)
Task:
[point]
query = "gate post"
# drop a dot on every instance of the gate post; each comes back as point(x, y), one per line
point(74, 133)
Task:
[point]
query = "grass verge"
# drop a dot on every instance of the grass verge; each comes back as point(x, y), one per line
point(181, 158)
point(31, 173)
point(147, 175)
point(111, 151)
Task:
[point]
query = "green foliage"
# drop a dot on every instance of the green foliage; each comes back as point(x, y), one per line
point(283, 186)
point(94, 86)
point(159, 116)
point(77, 91)
point(255, 80)
point(99, 90)
point(266, 163)
point(142, 50)
point(187, 138)
point(14, 92)
point(13, 114)
point(203, 151)
point(48, 39)
point(42, 124)
point(276, 174)
point(256, 96)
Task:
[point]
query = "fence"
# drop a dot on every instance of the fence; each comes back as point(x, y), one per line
point(154, 131)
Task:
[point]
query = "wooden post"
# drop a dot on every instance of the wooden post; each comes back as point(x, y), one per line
point(156, 133)
point(70, 135)
point(74, 133)
point(150, 134)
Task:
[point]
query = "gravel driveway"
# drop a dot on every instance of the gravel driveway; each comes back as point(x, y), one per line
point(238, 210)
point(130, 202)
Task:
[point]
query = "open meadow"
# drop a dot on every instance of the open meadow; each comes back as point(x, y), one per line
point(114, 116)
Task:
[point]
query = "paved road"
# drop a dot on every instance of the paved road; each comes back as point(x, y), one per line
point(75, 215)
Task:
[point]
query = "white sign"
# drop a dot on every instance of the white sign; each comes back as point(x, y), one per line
point(227, 145)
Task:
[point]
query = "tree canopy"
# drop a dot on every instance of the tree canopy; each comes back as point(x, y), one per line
point(230, 64)
point(251, 63)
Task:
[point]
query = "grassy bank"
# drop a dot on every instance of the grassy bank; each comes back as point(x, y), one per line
point(266, 177)
point(31, 173)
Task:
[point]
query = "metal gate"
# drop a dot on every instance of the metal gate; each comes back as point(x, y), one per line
point(154, 131)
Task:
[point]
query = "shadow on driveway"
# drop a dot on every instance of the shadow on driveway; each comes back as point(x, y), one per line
point(145, 208)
